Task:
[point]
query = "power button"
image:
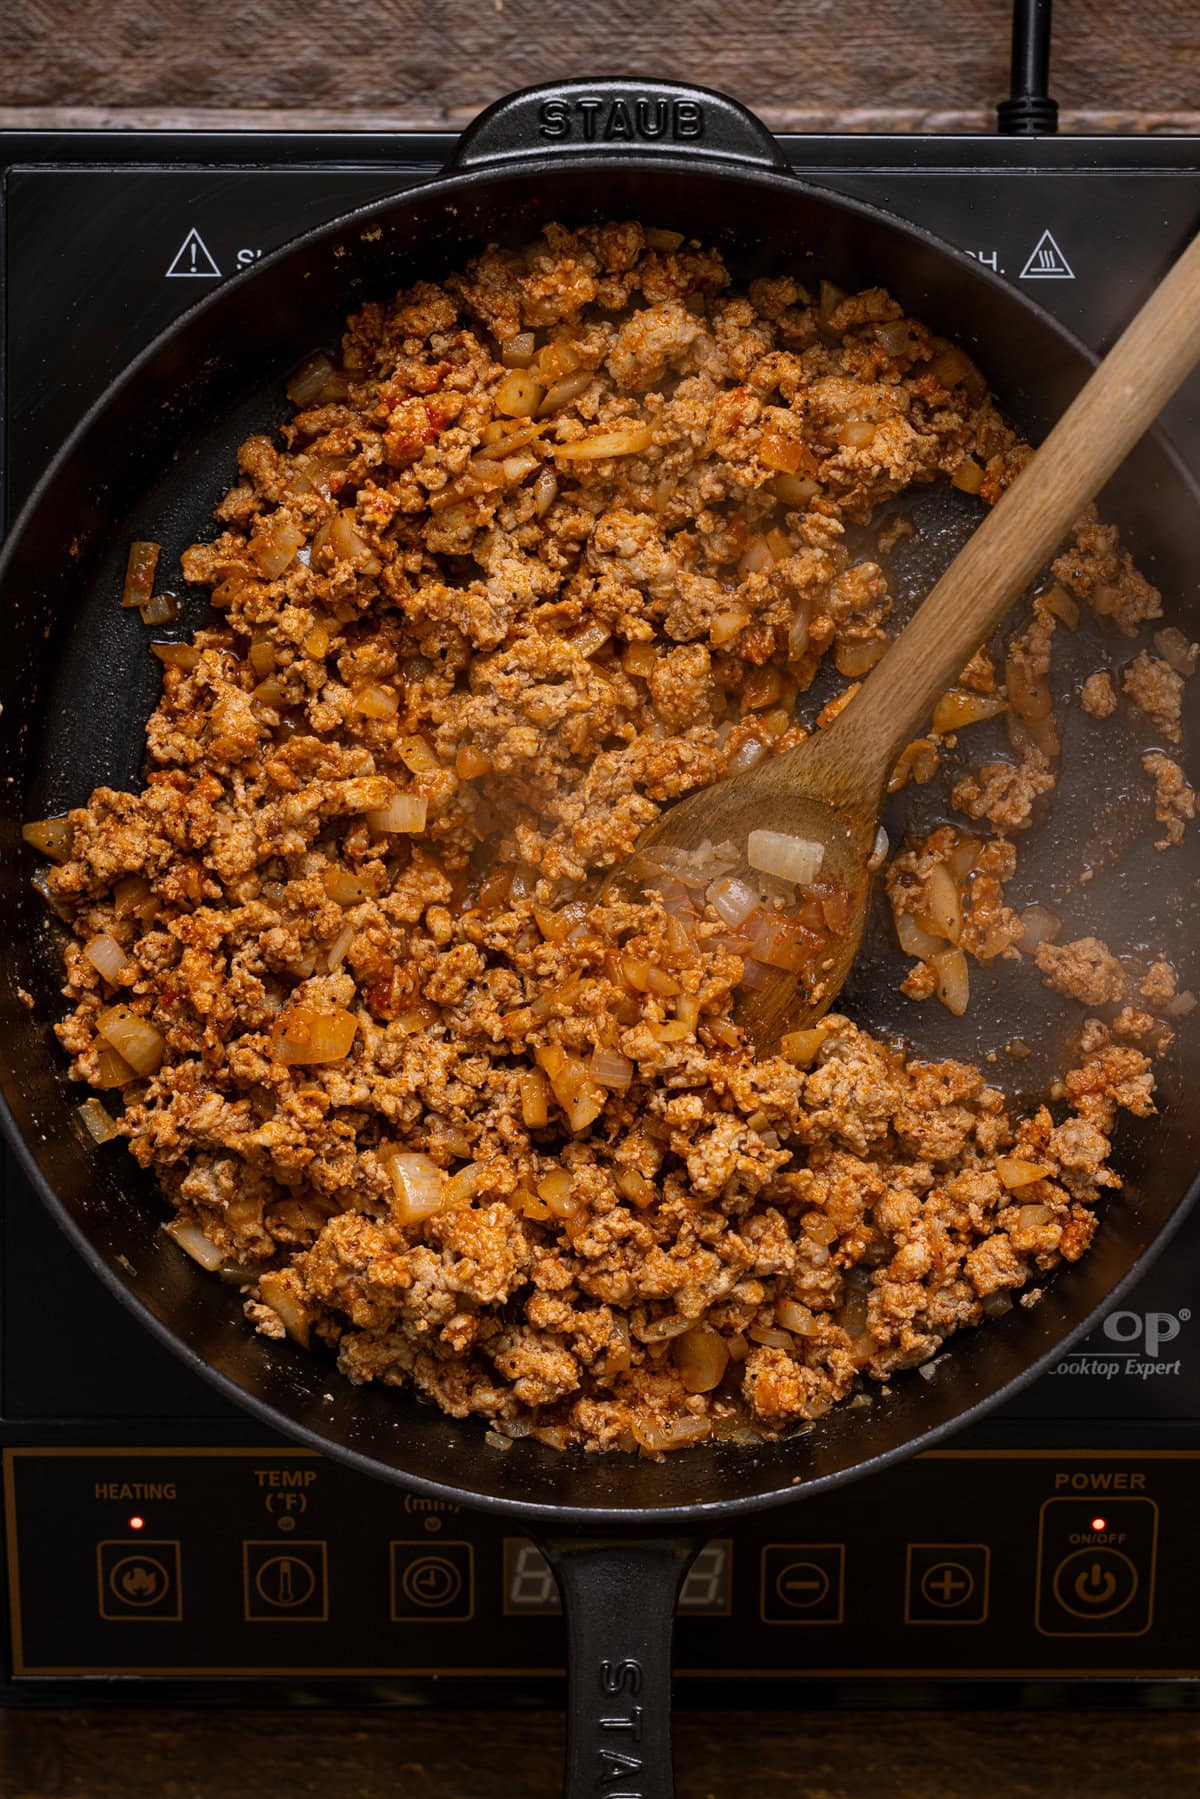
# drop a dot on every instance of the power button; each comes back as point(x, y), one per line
point(1096, 1567)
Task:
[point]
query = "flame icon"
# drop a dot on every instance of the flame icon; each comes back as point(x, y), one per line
point(138, 1582)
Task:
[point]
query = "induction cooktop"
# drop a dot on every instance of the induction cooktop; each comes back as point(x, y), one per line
point(161, 1546)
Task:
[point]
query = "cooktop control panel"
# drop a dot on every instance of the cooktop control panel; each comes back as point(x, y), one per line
point(212, 1563)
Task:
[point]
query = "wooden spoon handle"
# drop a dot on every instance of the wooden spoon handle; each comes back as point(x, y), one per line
point(1102, 424)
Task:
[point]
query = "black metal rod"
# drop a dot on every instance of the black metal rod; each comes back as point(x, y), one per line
point(1029, 110)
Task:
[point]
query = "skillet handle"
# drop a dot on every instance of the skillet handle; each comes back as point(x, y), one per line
point(619, 1599)
point(611, 114)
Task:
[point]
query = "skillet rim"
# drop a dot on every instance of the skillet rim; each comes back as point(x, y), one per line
point(529, 166)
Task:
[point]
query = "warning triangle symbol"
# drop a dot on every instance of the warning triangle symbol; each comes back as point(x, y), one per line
point(1047, 262)
point(193, 258)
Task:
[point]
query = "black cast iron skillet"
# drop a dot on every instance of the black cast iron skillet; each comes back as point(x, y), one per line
point(151, 460)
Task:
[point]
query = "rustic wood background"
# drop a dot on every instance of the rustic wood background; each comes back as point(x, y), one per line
point(862, 65)
point(485, 1755)
point(865, 65)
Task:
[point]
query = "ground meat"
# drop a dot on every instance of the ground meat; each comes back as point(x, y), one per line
point(1098, 695)
point(447, 1110)
point(1174, 797)
point(1085, 970)
point(1154, 688)
point(1004, 792)
point(1096, 569)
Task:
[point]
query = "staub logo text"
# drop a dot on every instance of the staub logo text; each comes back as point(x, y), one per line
point(617, 119)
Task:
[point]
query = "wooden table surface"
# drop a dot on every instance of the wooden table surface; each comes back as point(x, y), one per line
point(805, 64)
point(861, 65)
point(489, 1755)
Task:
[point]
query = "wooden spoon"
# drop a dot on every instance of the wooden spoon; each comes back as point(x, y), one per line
point(829, 789)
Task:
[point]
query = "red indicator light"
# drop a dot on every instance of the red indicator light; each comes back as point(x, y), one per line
point(1099, 1523)
point(137, 1524)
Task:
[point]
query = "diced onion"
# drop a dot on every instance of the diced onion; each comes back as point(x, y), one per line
point(580, 1097)
point(534, 1109)
point(795, 1318)
point(418, 756)
point(1038, 925)
point(1063, 605)
point(404, 813)
point(756, 557)
point(769, 1337)
point(658, 1435)
point(800, 1047)
point(335, 955)
point(726, 626)
point(621, 440)
point(305, 1034)
point(775, 941)
point(309, 379)
point(915, 941)
point(343, 887)
point(374, 701)
point(663, 1329)
point(464, 1185)
point(798, 630)
point(112, 1070)
point(418, 1183)
point(633, 1186)
point(557, 1190)
point(517, 352)
point(52, 836)
point(276, 545)
point(941, 905)
point(564, 391)
point(701, 1357)
point(687, 1010)
point(960, 707)
point(133, 1038)
point(609, 1068)
point(857, 659)
point(779, 450)
point(106, 956)
point(747, 756)
point(139, 574)
point(176, 655)
point(1015, 1172)
point(791, 858)
point(967, 477)
point(545, 491)
point(470, 762)
point(732, 898)
point(276, 1292)
point(1029, 693)
point(953, 980)
point(97, 1122)
point(794, 490)
point(1176, 650)
point(192, 1239)
point(856, 434)
point(160, 609)
point(518, 395)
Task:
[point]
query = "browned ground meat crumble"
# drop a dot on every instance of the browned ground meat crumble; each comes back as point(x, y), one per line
point(439, 1107)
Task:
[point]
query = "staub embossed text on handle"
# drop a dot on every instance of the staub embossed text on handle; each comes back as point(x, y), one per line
point(620, 119)
point(618, 116)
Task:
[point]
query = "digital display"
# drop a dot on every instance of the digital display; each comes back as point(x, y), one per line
point(530, 1589)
